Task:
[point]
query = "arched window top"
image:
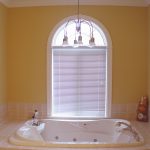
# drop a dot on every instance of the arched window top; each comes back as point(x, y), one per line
point(100, 39)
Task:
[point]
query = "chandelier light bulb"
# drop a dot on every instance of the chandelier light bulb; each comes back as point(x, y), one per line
point(65, 41)
point(80, 40)
point(92, 41)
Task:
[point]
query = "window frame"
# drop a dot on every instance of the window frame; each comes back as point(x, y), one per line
point(109, 69)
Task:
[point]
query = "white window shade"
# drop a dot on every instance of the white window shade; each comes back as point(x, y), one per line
point(79, 82)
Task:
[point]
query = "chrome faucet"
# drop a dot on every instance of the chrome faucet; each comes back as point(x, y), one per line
point(35, 118)
point(129, 128)
point(119, 123)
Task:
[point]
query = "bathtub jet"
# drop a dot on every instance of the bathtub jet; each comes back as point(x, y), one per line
point(106, 133)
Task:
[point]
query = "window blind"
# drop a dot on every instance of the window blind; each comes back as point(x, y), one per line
point(79, 82)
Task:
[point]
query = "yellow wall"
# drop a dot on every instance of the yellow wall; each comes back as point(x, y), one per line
point(3, 20)
point(149, 52)
point(28, 32)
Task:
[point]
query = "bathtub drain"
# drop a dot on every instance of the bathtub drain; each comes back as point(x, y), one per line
point(95, 140)
point(74, 139)
point(56, 137)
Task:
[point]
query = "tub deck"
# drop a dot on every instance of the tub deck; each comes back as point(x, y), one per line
point(8, 128)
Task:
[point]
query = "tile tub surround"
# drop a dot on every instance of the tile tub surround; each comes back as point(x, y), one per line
point(124, 111)
point(24, 111)
point(19, 111)
point(3, 112)
point(8, 128)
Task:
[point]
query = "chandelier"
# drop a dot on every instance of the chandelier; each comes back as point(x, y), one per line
point(78, 31)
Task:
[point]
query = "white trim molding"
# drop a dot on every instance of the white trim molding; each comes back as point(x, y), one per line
point(29, 3)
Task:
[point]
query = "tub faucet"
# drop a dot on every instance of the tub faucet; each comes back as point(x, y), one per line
point(119, 123)
point(35, 117)
point(130, 129)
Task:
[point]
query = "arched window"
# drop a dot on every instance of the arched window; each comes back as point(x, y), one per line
point(81, 76)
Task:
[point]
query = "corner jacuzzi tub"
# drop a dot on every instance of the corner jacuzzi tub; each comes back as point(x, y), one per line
point(78, 134)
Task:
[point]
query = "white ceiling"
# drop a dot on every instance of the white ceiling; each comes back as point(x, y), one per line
point(24, 3)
